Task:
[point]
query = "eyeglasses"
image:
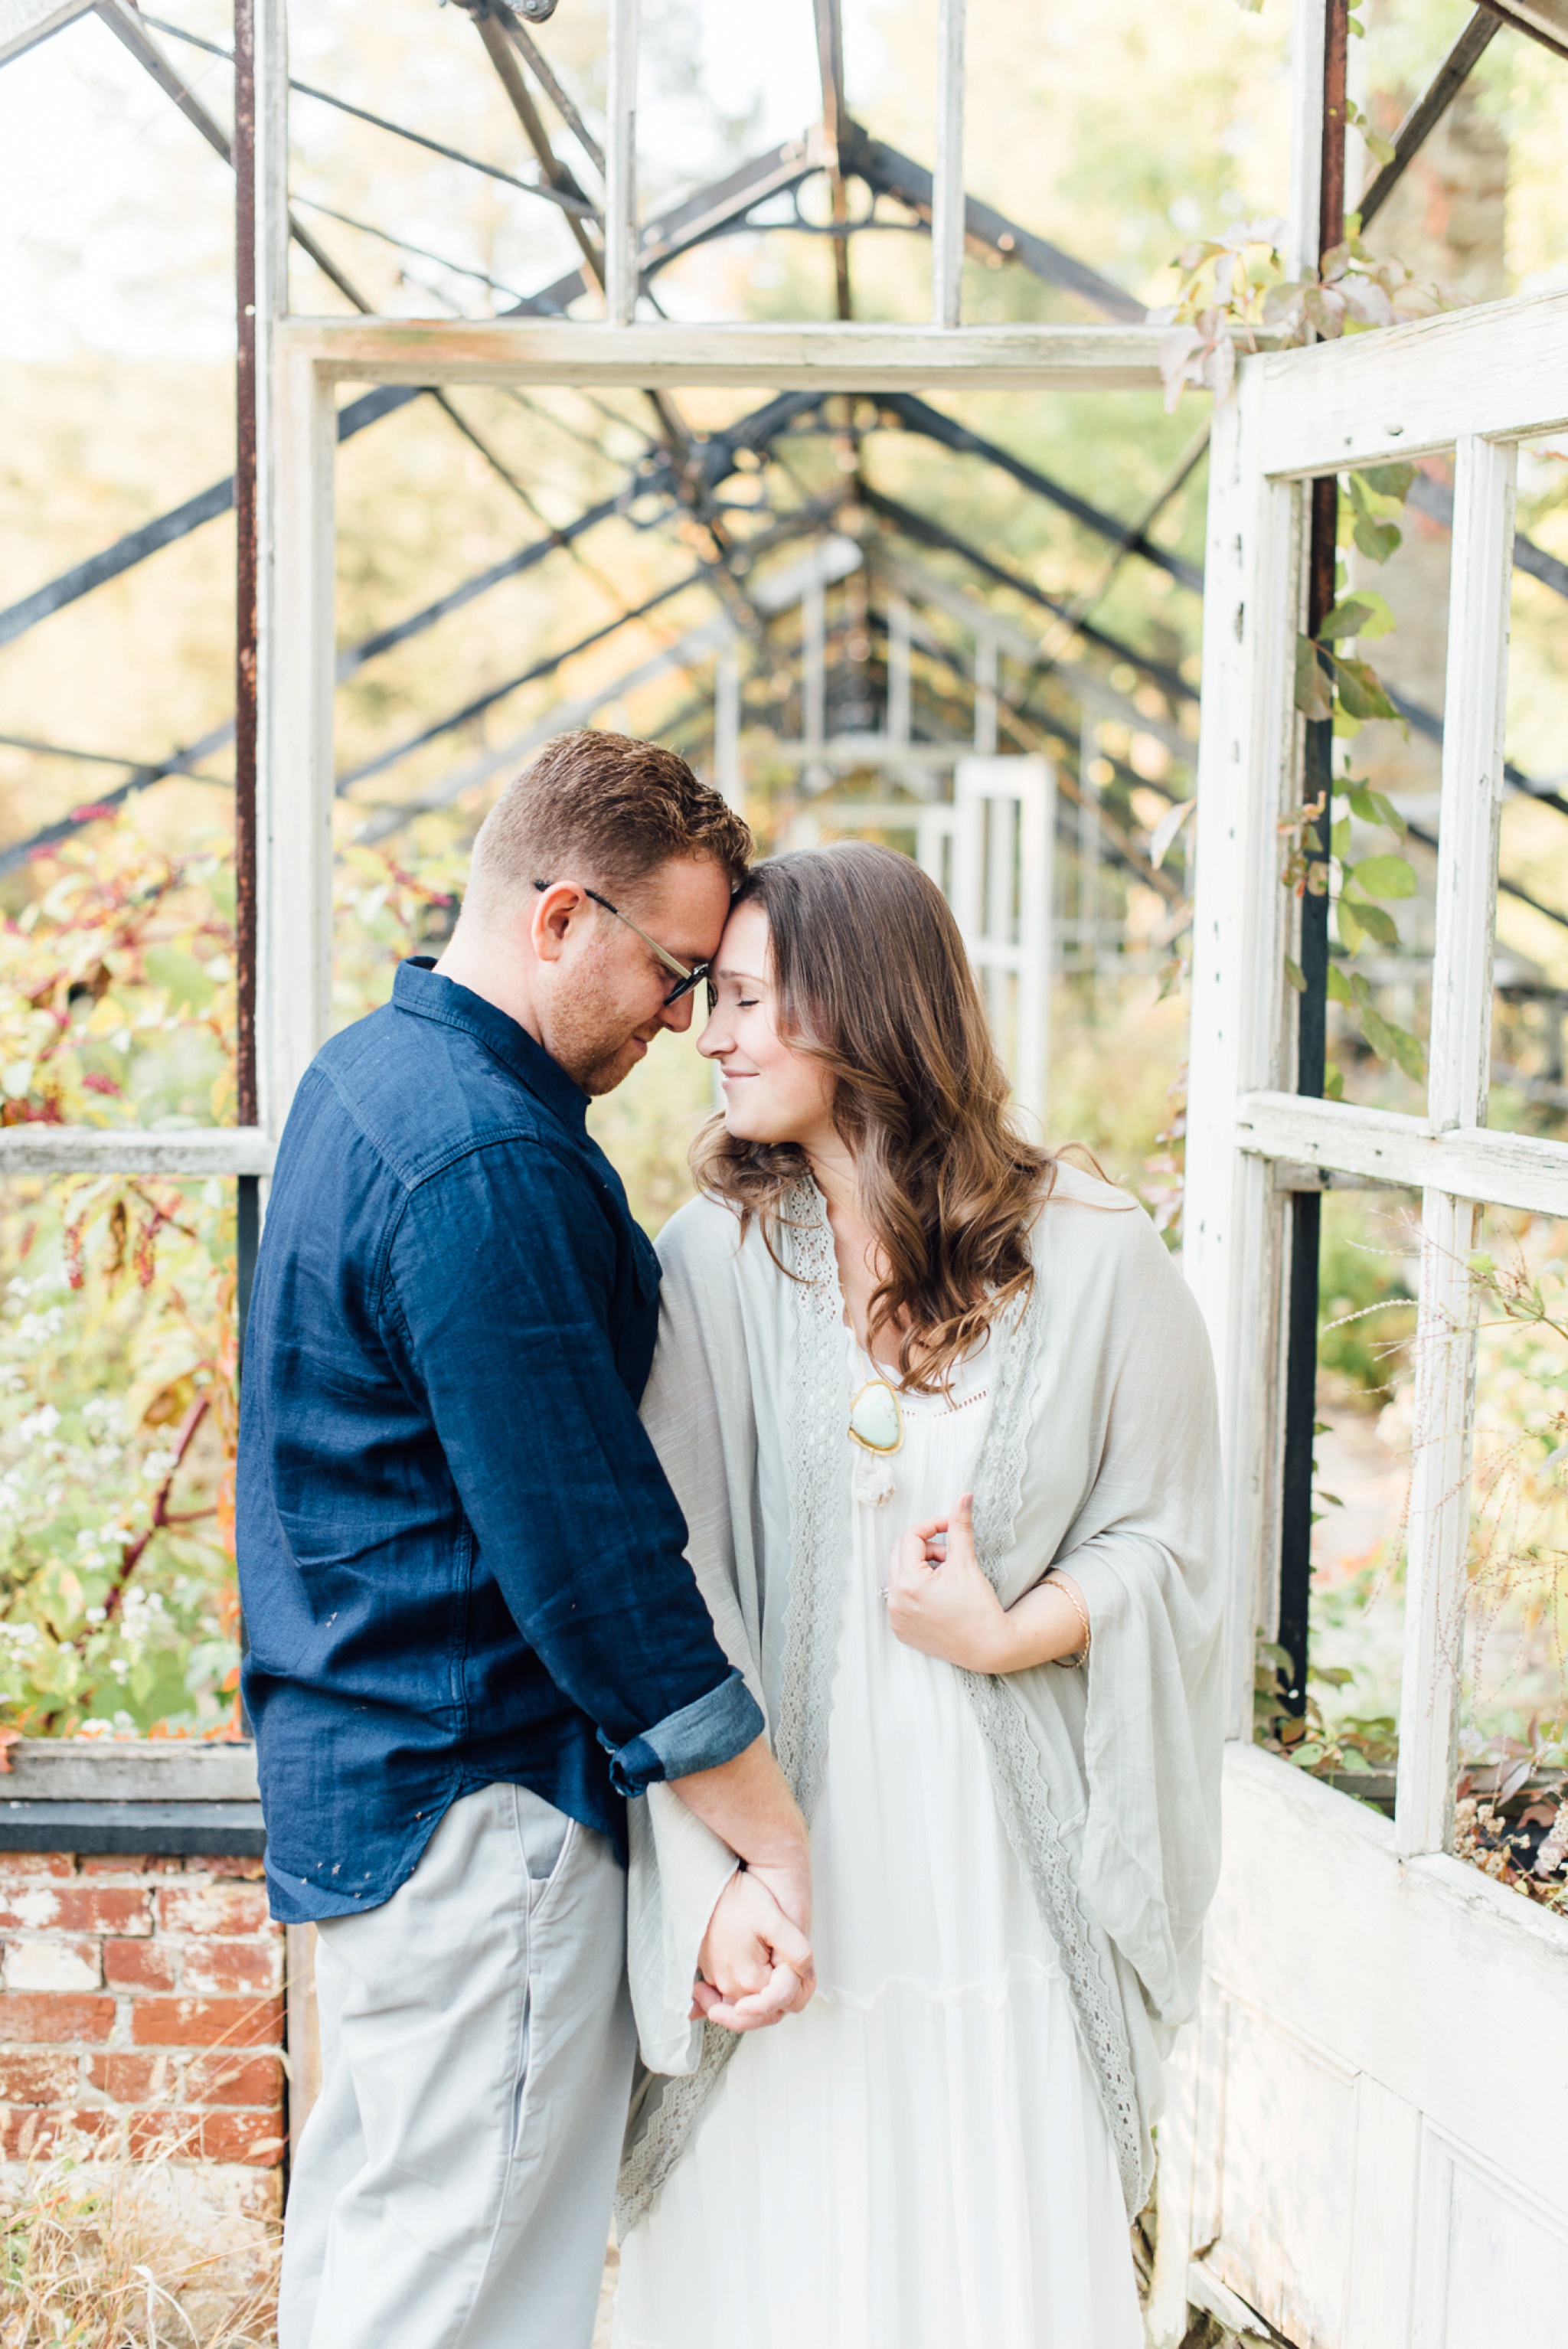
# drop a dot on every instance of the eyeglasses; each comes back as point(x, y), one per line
point(687, 978)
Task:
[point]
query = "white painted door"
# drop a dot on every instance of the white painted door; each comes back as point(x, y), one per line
point(992, 853)
point(1368, 2143)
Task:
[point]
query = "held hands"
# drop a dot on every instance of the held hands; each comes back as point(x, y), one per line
point(755, 1964)
point(939, 1601)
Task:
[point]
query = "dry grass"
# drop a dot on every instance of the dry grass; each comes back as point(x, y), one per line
point(100, 2253)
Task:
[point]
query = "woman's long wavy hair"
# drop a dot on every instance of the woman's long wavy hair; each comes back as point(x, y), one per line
point(871, 976)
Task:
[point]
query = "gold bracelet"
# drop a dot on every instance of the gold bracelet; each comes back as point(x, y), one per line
point(1072, 1664)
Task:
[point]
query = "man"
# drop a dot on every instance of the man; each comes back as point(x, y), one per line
point(472, 1630)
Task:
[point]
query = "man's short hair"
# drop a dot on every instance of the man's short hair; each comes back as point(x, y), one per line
point(604, 808)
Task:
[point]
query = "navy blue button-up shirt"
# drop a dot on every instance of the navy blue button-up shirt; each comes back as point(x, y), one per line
point(459, 1560)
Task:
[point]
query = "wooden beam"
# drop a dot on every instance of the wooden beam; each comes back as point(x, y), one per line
point(24, 22)
point(1499, 369)
point(1545, 21)
point(1232, 1224)
point(835, 357)
point(128, 1150)
point(621, 166)
point(1507, 1170)
point(948, 185)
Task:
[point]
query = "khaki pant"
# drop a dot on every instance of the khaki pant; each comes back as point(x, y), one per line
point(453, 2184)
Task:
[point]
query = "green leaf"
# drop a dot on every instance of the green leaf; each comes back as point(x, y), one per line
point(1365, 614)
point(1373, 808)
point(1352, 931)
point(1382, 148)
point(1396, 1044)
point(1376, 540)
point(1389, 481)
point(1339, 986)
point(1339, 838)
point(1334, 1084)
point(1295, 976)
point(1371, 920)
point(1383, 877)
point(1360, 689)
point(1482, 1265)
point(1314, 694)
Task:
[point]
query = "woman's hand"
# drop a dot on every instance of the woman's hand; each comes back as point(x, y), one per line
point(937, 1598)
point(939, 1601)
point(755, 1965)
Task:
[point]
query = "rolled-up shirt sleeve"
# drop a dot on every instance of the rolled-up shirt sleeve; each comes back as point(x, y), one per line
point(556, 1475)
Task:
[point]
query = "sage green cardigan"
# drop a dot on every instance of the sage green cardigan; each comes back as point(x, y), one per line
point(1100, 1455)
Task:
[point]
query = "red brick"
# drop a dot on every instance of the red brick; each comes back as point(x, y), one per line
point(255, 2138)
point(35, 2015)
point(178, 2134)
point(76, 1909)
point(200, 2021)
point(36, 1862)
point(231, 1965)
point(235, 2080)
point(211, 1908)
point(41, 2079)
point(138, 1965)
point(130, 2079)
point(132, 1864)
point(167, 2132)
point(24, 2132)
point(53, 1961)
point(252, 1870)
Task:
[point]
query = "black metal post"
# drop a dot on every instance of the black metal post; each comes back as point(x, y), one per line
point(1307, 1206)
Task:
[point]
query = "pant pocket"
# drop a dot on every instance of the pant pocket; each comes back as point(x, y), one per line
point(524, 2065)
point(542, 1833)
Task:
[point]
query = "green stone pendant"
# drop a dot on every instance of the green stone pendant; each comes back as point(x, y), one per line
point(876, 1422)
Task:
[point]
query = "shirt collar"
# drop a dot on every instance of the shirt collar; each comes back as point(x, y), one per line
point(418, 987)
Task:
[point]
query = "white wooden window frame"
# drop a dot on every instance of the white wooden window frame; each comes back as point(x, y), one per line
point(1383, 2040)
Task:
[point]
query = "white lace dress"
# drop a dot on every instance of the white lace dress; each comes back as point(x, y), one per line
point(920, 2160)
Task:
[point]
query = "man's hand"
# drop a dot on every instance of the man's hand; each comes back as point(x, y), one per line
point(755, 1965)
point(747, 1805)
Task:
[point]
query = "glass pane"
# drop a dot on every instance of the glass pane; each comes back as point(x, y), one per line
point(1367, 1317)
point(1514, 1682)
point(1386, 648)
point(1530, 972)
point(117, 1428)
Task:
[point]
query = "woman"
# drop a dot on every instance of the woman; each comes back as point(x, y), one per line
point(1001, 1723)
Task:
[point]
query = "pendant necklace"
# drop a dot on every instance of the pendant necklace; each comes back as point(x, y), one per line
point(876, 1430)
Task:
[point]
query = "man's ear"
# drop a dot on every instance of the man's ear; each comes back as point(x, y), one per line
point(549, 918)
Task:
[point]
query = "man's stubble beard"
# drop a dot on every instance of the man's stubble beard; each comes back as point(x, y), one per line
point(590, 1037)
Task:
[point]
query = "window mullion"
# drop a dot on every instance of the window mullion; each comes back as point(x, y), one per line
point(1456, 1096)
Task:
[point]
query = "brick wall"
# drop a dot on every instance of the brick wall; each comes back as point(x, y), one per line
point(141, 1999)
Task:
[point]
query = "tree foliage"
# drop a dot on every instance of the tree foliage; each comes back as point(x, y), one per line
point(118, 1404)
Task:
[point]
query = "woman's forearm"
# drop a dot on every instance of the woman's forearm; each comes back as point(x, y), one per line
point(1042, 1627)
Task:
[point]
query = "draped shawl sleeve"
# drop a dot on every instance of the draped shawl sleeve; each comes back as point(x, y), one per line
point(698, 1408)
point(1125, 1410)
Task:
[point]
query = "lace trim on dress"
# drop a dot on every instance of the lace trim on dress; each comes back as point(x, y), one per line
point(819, 1538)
point(819, 1505)
point(1022, 1795)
